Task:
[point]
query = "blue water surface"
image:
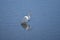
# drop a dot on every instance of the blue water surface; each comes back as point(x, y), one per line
point(45, 19)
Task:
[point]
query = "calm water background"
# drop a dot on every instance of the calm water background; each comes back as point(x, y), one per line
point(45, 19)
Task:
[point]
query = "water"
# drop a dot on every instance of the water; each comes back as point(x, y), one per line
point(45, 21)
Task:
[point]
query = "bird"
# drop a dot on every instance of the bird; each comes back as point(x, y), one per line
point(25, 21)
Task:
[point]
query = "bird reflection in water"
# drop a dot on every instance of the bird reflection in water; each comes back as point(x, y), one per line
point(25, 26)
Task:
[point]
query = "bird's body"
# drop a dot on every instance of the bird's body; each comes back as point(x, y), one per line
point(27, 18)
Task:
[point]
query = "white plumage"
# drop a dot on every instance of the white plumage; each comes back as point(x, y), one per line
point(27, 18)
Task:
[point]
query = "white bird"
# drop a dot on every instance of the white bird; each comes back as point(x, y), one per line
point(27, 18)
point(25, 21)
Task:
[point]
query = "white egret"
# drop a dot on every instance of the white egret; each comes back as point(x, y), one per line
point(25, 21)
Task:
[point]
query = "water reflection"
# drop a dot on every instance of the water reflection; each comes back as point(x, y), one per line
point(25, 25)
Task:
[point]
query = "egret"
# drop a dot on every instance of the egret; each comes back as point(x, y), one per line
point(25, 21)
